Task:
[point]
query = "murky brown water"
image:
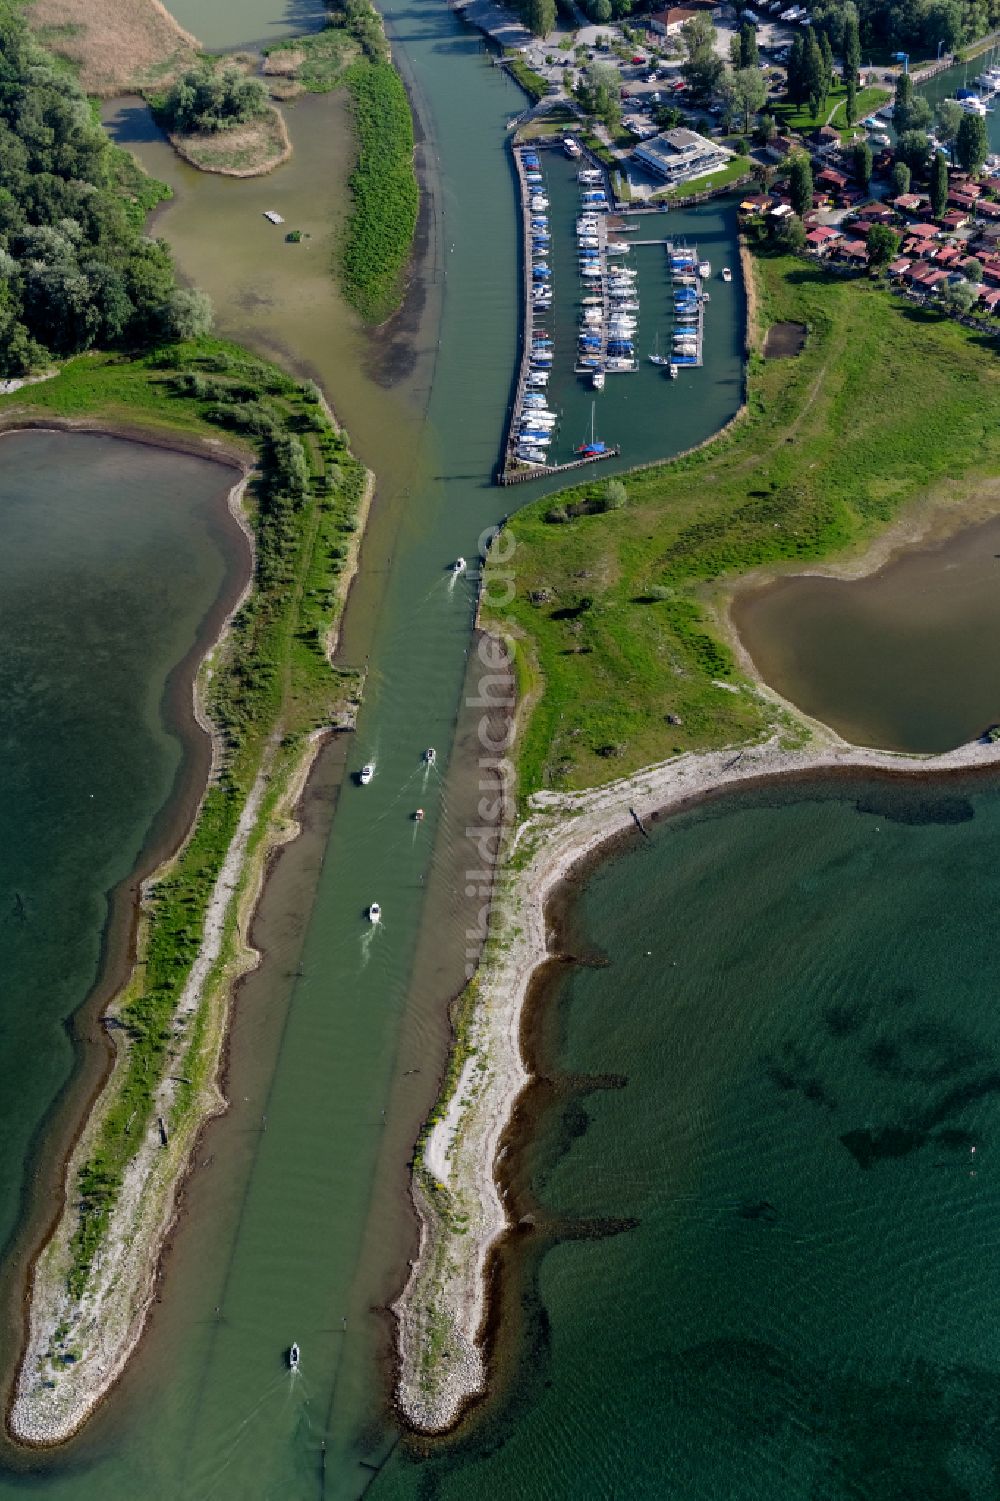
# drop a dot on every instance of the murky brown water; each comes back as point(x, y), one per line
point(905, 658)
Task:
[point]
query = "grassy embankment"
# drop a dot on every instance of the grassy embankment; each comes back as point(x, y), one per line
point(612, 616)
point(310, 64)
point(270, 687)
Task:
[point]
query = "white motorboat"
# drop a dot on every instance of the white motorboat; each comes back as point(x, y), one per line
point(597, 380)
point(293, 1356)
point(458, 566)
point(430, 756)
point(727, 274)
point(374, 916)
point(366, 773)
point(704, 269)
point(672, 370)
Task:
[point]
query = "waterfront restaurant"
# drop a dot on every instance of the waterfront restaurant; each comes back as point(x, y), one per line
point(679, 155)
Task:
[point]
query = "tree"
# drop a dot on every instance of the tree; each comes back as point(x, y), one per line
point(949, 115)
point(702, 67)
point(912, 148)
point(212, 99)
point(826, 52)
point(973, 270)
point(900, 179)
point(749, 56)
point(800, 183)
point(540, 16)
point(852, 46)
point(743, 94)
point(795, 85)
point(939, 184)
point(902, 102)
point(187, 314)
point(599, 93)
point(816, 74)
point(972, 143)
point(851, 102)
point(791, 234)
point(945, 25)
point(882, 245)
point(958, 297)
point(861, 161)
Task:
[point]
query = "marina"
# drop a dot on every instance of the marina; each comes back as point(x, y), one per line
point(588, 269)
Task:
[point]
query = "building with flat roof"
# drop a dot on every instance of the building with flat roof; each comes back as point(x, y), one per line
point(679, 155)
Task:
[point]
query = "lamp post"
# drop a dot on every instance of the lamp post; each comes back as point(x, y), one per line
point(940, 45)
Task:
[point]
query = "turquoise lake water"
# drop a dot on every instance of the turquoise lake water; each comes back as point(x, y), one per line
point(763, 1262)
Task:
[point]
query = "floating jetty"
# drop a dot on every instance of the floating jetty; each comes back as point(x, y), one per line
point(514, 468)
point(689, 305)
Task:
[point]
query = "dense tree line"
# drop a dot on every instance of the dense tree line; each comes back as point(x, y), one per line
point(75, 268)
point(905, 25)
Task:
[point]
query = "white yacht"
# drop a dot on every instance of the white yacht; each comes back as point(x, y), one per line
point(727, 274)
point(597, 380)
point(704, 269)
point(458, 566)
point(293, 1357)
point(366, 773)
point(374, 916)
point(430, 756)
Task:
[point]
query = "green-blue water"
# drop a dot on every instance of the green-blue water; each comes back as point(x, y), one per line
point(799, 1004)
point(113, 558)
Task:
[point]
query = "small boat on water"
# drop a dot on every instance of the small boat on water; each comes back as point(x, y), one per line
point(366, 773)
point(656, 358)
point(704, 269)
point(418, 816)
point(672, 370)
point(293, 1357)
point(727, 274)
point(374, 916)
point(595, 446)
point(597, 380)
point(458, 566)
point(430, 756)
point(570, 147)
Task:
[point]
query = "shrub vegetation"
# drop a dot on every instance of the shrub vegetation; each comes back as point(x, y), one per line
point(383, 185)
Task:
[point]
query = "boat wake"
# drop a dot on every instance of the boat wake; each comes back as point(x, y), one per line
point(230, 1443)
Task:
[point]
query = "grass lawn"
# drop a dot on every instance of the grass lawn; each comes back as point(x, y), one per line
point(885, 403)
point(737, 167)
point(868, 101)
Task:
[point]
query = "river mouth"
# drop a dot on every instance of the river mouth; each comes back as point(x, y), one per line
point(900, 659)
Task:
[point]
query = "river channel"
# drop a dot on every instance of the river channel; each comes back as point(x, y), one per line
point(296, 1223)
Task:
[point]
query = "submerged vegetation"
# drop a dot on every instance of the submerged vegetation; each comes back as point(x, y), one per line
point(76, 270)
point(885, 404)
point(271, 684)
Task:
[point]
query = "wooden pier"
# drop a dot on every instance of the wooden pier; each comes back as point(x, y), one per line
point(523, 472)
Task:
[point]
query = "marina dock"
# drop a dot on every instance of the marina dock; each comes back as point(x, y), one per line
point(514, 469)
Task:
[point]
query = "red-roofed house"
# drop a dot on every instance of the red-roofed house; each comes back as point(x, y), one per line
point(922, 231)
point(934, 280)
point(909, 202)
point(990, 298)
point(991, 272)
point(822, 239)
point(897, 267)
point(853, 250)
point(955, 219)
point(831, 178)
point(987, 209)
point(875, 213)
